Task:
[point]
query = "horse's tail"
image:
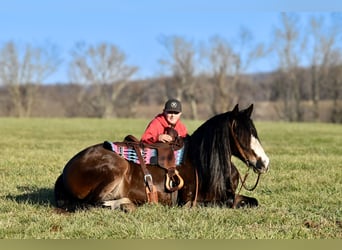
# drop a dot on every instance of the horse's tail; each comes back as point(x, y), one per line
point(63, 199)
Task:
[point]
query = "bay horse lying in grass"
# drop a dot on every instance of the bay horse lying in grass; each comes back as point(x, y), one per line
point(206, 175)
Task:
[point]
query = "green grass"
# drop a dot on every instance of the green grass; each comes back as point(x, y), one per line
point(300, 198)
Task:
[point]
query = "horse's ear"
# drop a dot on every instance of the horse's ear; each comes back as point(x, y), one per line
point(249, 110)
point(235, 110)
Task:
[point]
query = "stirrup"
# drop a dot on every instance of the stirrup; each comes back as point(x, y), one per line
point(169, 183)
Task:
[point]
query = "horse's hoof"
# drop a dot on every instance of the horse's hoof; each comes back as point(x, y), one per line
point(248, 203)
point(127, 208)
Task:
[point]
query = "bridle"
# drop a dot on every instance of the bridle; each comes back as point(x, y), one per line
point(243, 155)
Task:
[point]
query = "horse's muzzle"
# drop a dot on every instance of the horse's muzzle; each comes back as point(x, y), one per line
point(260, 166)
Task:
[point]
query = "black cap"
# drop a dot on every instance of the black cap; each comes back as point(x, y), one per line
point(173, 105)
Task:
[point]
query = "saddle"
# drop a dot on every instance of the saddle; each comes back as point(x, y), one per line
point(165, 158)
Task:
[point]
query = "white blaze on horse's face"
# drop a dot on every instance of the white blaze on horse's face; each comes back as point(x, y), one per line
point(263, 160)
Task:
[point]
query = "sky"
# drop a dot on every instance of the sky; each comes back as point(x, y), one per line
point(136, 26)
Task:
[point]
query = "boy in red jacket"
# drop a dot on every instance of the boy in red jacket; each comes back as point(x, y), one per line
point(156, 129)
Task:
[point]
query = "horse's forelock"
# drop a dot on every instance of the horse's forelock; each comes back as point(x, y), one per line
point(244, 129)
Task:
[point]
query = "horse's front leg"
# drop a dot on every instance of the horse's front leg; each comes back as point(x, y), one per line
point(232, 184)
point(236, 200)
point(242, 201)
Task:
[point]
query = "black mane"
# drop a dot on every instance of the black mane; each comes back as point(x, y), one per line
point(211, 154)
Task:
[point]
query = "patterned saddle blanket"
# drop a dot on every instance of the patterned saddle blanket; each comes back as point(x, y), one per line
point(150, 155)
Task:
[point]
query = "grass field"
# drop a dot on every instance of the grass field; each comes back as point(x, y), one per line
point(300, 198)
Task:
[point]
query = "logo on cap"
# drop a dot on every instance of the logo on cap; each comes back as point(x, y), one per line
point(173, 105)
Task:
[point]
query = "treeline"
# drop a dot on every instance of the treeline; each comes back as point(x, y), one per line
point(144, 98)
point(209, 78)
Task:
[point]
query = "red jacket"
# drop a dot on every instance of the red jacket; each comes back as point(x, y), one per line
point(157, 126)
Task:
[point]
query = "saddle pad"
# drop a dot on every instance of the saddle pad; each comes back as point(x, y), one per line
point(149, 154)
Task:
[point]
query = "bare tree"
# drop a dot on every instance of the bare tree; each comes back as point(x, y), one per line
point(324, 40)
point(181, 62)
point(224, 63)
point(289, 44)
point(228, 62)
point(334, 83)
point(102, 69)
point(22, 70)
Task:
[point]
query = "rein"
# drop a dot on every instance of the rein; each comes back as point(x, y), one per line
point(243, 182)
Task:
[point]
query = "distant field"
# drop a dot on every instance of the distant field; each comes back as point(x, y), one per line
point(300, 198)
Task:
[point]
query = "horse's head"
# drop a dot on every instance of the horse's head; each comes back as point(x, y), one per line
point(245, 138)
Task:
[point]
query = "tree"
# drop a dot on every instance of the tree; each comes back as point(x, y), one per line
point(181, 62)
point(334, 83)
point(22, 70)
point(228, 62)
point(324, 42)
point(288, 45)
point(103, 71)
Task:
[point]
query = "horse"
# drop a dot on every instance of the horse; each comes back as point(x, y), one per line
point(97, 176)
